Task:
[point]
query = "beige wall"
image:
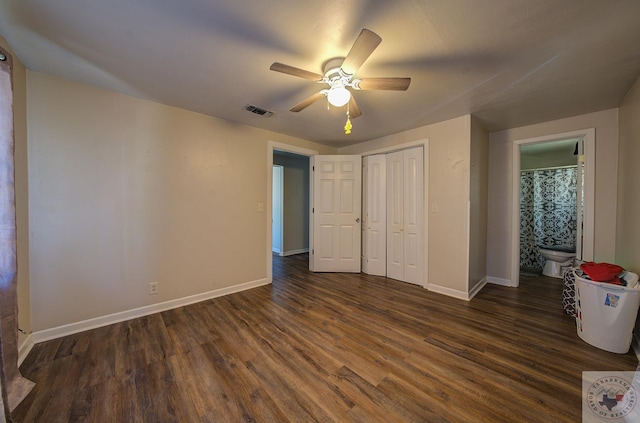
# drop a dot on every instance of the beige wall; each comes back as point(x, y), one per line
point(547, 159)
point(296, 201)
point(448, 188)
point(22, 191)
point(500, 179)
point(124, 192)
point(478, 208)
point(628, 229)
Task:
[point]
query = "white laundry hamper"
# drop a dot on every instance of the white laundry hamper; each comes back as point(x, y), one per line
point(606, 314)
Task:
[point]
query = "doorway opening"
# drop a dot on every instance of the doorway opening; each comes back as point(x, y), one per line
point(553, 192)
point(297, 161)
point(290, 200)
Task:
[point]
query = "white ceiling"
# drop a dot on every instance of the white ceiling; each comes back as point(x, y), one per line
point(508, 62)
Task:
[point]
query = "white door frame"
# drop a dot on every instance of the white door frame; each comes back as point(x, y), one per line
point(424, 143)
point(278, 205)
point(589, 137)
point(271, 147)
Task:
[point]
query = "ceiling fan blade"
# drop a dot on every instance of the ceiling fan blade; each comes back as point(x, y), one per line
point(363, 47)
point(395, 84)
point(354, 110)
point(307, 102)
point(290, 70)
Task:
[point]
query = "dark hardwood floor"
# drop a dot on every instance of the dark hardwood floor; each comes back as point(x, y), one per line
point(328, 348)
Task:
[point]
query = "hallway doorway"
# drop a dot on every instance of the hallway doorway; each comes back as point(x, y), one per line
point(274, 151)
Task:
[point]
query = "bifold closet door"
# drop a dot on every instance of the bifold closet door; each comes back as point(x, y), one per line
point(395, 215)
point(405, 215)
point(374, 228)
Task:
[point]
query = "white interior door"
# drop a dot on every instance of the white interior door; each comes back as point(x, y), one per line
point(277, 210)
point(337, 202)
point(395, 216)
point(374, 260)
point(405, 221)
point(413, 215)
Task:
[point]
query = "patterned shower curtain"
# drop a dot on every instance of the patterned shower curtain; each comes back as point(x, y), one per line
point(547, 212)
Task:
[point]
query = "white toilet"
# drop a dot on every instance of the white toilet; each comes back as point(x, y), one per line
point(557, 259)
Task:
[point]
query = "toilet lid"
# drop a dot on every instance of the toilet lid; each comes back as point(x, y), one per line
point(560, 248)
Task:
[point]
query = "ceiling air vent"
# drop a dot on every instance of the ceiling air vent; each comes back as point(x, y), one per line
point(258, 111)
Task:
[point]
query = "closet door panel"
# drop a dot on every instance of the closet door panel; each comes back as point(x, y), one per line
point(413, 208)
point(364, 251)
point(375, 215)
point(395, 215)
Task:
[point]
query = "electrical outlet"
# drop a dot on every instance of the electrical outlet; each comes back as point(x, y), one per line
point(153, 288)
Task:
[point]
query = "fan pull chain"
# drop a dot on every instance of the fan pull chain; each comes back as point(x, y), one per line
point(348, 126)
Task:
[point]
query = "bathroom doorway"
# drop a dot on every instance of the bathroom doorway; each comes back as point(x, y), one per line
point(550, 195)
point(553, 186)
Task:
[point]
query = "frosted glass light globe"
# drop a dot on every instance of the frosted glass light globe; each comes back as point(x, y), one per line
point(338, 96)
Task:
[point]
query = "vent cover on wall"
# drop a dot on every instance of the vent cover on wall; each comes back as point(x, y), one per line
point(258, 111)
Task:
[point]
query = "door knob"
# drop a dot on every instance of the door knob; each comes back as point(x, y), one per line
point(358, 220)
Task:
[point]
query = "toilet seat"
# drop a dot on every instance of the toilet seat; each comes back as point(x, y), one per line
point(558, 248)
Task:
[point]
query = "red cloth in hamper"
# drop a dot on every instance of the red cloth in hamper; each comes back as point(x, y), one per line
point(602, 272)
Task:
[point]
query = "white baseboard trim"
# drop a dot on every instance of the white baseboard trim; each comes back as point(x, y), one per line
point(467, 296)
point(477, 288)
point(294, 252)
point(96, 322)
point(448, 292)
point(25, 348)
point(499, 281)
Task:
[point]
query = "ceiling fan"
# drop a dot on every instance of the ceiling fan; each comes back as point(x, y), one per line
point(339, 74)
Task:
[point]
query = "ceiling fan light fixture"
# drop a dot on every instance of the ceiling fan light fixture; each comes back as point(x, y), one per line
point(338, 96)
point(339, 75)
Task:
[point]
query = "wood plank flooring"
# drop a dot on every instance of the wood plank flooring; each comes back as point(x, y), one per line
point(327, 348)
